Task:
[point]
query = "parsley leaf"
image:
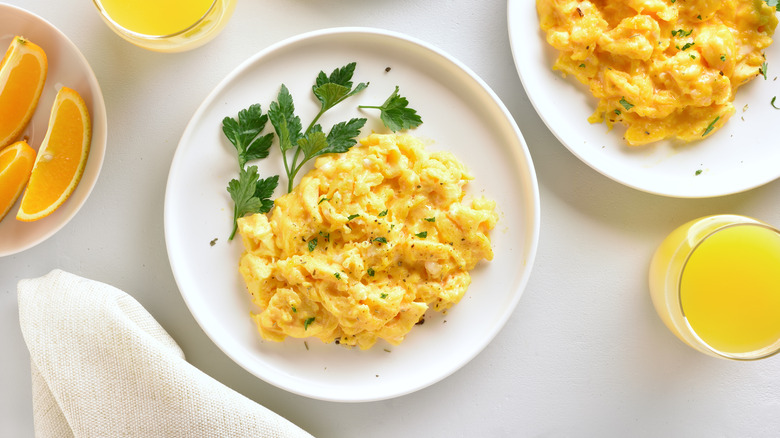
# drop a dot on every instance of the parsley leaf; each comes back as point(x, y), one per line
point(396, 114)
point(762, 69)
point(626, 104)
point(307, 323)
point(244, 134)
point(312, 244)
point(711, 126)
point(422, 234)
point(773, 102)
point(332, 90)
point(250, 194)
point(681, 32)
point(286, 124)
point(687, 46)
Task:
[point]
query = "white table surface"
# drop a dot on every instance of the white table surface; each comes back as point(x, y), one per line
point(584, 353)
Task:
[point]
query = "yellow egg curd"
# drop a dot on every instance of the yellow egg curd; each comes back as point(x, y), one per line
point(663, 68)
point(365, 244)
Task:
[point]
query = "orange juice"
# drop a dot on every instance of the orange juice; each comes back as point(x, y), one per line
point(166, 25)
point(730, 288)
point(156, 17)
point(715, 283)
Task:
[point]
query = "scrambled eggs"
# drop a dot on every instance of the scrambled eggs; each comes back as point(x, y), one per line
point(663, 68)
point(365, 244)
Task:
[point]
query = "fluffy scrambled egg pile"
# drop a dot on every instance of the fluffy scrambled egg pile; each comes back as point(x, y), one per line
point(365, 244)
point(663, 68)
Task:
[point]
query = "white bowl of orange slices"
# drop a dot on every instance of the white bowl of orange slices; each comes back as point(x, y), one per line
point(52, 130)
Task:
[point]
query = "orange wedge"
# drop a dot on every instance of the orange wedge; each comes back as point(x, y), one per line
point(16, 162)
point(22, 75)
point(61, 157)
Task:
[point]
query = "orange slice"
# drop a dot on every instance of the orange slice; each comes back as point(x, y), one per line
point(61, 157)
point(22, 75)
point(16, 162)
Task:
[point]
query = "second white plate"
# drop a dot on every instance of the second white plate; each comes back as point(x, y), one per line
point(740, 156)
point(460, 113)
point(67, 66)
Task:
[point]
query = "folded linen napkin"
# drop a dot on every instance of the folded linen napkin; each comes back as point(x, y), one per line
point(103, 367)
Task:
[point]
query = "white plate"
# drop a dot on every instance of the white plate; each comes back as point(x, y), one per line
point(67, 67)
point(460, 114)
point(740, 156)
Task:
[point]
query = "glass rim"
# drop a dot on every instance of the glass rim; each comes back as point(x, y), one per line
point(767, 351)
point(119, 27)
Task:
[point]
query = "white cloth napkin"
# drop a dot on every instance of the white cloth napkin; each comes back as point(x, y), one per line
point(103, 367)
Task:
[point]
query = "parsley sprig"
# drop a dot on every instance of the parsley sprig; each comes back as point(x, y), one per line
point(252, 194)
point(249, 192)
point(305, 145)
point(396, 114)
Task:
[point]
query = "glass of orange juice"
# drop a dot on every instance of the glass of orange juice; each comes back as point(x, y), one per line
point(166, 25)
point(715, 282)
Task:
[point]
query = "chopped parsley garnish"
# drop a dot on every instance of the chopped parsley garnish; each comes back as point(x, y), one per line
point(382, 214)
point(396, 114)
point(687, 46)
point(681, 32)
point(294, 309)
point(383, 295)
point(380, 239)
point(312, 244)
point(711, 126)
point(773, 102)
point(352, 216)
point(308, 322)
point(626, 104)
point(323, 199)
point(582, 65)
point(617, 112)
point(698, 172)
point(337, 275)
point(723, 58)
point(431, 219)
point(422, 234)
point(762, 69)
point(371, 272)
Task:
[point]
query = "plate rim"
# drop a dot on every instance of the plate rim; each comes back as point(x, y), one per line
point(531, 246)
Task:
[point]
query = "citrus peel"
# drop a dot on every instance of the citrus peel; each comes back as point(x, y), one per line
point(22, 77)
point(16, 163)
point(61, 157)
